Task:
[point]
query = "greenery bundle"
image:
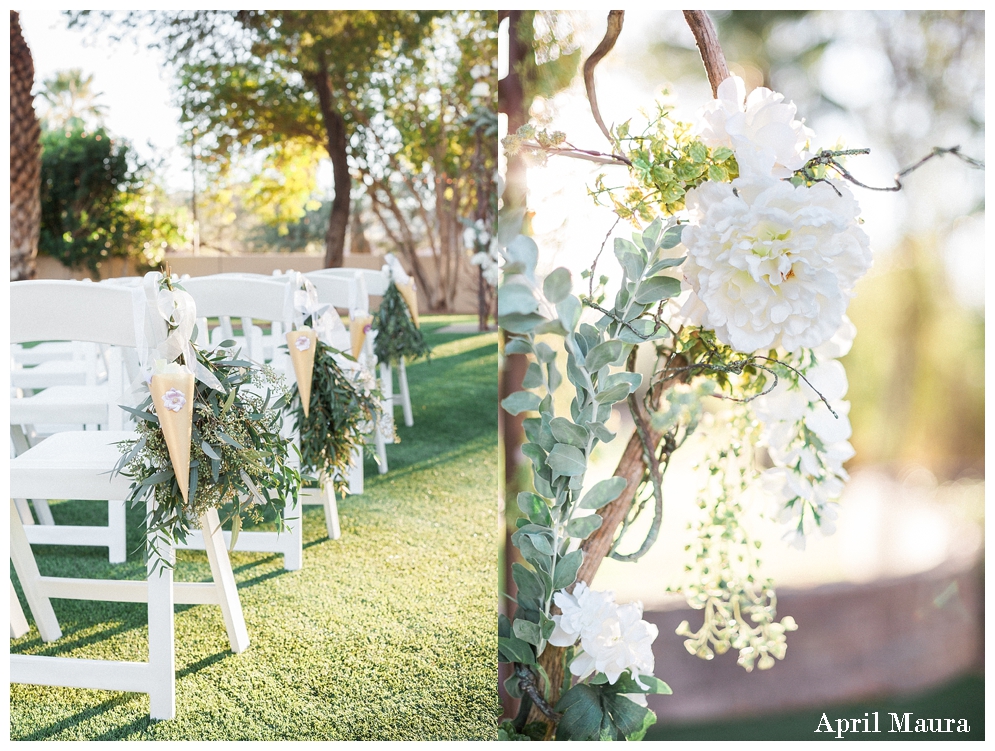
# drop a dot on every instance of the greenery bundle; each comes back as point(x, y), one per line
point(340, 413)
point(397, 335)
point(237, 454)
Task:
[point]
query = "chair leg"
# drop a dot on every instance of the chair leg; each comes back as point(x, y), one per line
point(292, 537)
point(27, 572)
point(117, 526)
point(43, 511)
point(402, 381)
point(162, 655)
point(18, 623)
point(224, 580)
point(387, 389)
point(24, 511)
point(331, 510)
point(356, 472)
point(381, 446)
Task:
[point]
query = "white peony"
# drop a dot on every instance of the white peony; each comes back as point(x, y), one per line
point(303, 343)
point(613, 638)
point(772, 264)
point(582, 610)
point(622, 643)
point(761, 130)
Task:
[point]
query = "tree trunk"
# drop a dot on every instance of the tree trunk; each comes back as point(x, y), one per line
point(337, 147)
point(25, 159)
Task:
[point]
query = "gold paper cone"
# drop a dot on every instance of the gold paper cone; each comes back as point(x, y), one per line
point(171, 390)
point(411, 298)
point(357, 333)
point(303, 360)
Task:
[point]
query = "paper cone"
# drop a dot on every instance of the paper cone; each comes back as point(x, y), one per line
point(175, 390)
point(303, 359)
point(407, 291)
point(357, 333)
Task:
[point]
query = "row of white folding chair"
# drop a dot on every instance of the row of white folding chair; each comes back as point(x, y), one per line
point(367, 282)
point(94, 406)
point(78, 465)
point(267, 299)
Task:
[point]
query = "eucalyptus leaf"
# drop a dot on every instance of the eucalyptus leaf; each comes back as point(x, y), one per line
point(604, 354)
point(565, 431)
point(533, 376)
point(516, 298)
point(603, 493)
point(513, 649)
point(613, 394)
point(544, 353)
point(566, 460)
point(566, 569)
point(510, 225)
point(517, 346)
point(582, 526)
point(672, 237)
point(657, 288)
point(568, 310)
point(557, 285)
point(527, 631)
point(524, 251)
point(520, 401)
point(517, 323)
point(535, 508)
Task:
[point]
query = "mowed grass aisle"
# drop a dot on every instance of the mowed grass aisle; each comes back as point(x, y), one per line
point(387, 633)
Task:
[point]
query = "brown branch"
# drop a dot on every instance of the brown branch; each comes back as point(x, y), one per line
point(615, 18)
point(708, 45)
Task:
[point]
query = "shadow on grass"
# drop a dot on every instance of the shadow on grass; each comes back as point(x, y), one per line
point(46, 732)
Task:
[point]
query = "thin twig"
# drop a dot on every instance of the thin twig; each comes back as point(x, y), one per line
point(590, 286)
point(615, 19)
point(830, 159)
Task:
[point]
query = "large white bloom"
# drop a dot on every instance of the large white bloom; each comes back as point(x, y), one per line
point(772, 264)
point(613, 638)
point(617, 644)
point(761, 130)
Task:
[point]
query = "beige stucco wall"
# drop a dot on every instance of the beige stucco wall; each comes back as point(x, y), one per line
point(255, 263)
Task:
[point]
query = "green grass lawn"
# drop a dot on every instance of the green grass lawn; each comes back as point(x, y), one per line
point(387, 633)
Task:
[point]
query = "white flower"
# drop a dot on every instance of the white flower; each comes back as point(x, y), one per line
point(613, 638)
point(584, 609)
point(174, 400)
point(302, 343)
point(772, 264)
point(618, 644)
point(761, 131)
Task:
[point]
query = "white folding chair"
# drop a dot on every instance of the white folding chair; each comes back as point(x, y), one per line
point(349, 293)
point(72, 407)
point(267, 299)
point(376, 283)
point(78, 465)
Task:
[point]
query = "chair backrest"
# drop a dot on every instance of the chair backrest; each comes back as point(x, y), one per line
point(56, 310)
point(376, 281)
point(248, 297)
point(346, 292)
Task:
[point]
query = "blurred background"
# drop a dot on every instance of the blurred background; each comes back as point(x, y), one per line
point(891, 606)
point(198, 139)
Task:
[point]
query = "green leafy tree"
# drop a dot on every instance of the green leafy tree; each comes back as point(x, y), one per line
point(98, 202)
point(420, 163)
point(282, 83)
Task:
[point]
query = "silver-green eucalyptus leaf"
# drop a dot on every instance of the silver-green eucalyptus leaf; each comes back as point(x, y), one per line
point(566, 460)
point(520, 401)
point(603, 493)
point(672, 237)
point(569, 310)
point(516, 298)
point(567, 432)
point(582, 526)
point(557, 285)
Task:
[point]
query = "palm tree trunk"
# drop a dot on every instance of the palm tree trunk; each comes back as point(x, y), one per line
point(25, 159)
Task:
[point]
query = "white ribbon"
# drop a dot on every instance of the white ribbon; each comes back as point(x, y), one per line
point(178, 309)
point(395, 271)
point(324, 320)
